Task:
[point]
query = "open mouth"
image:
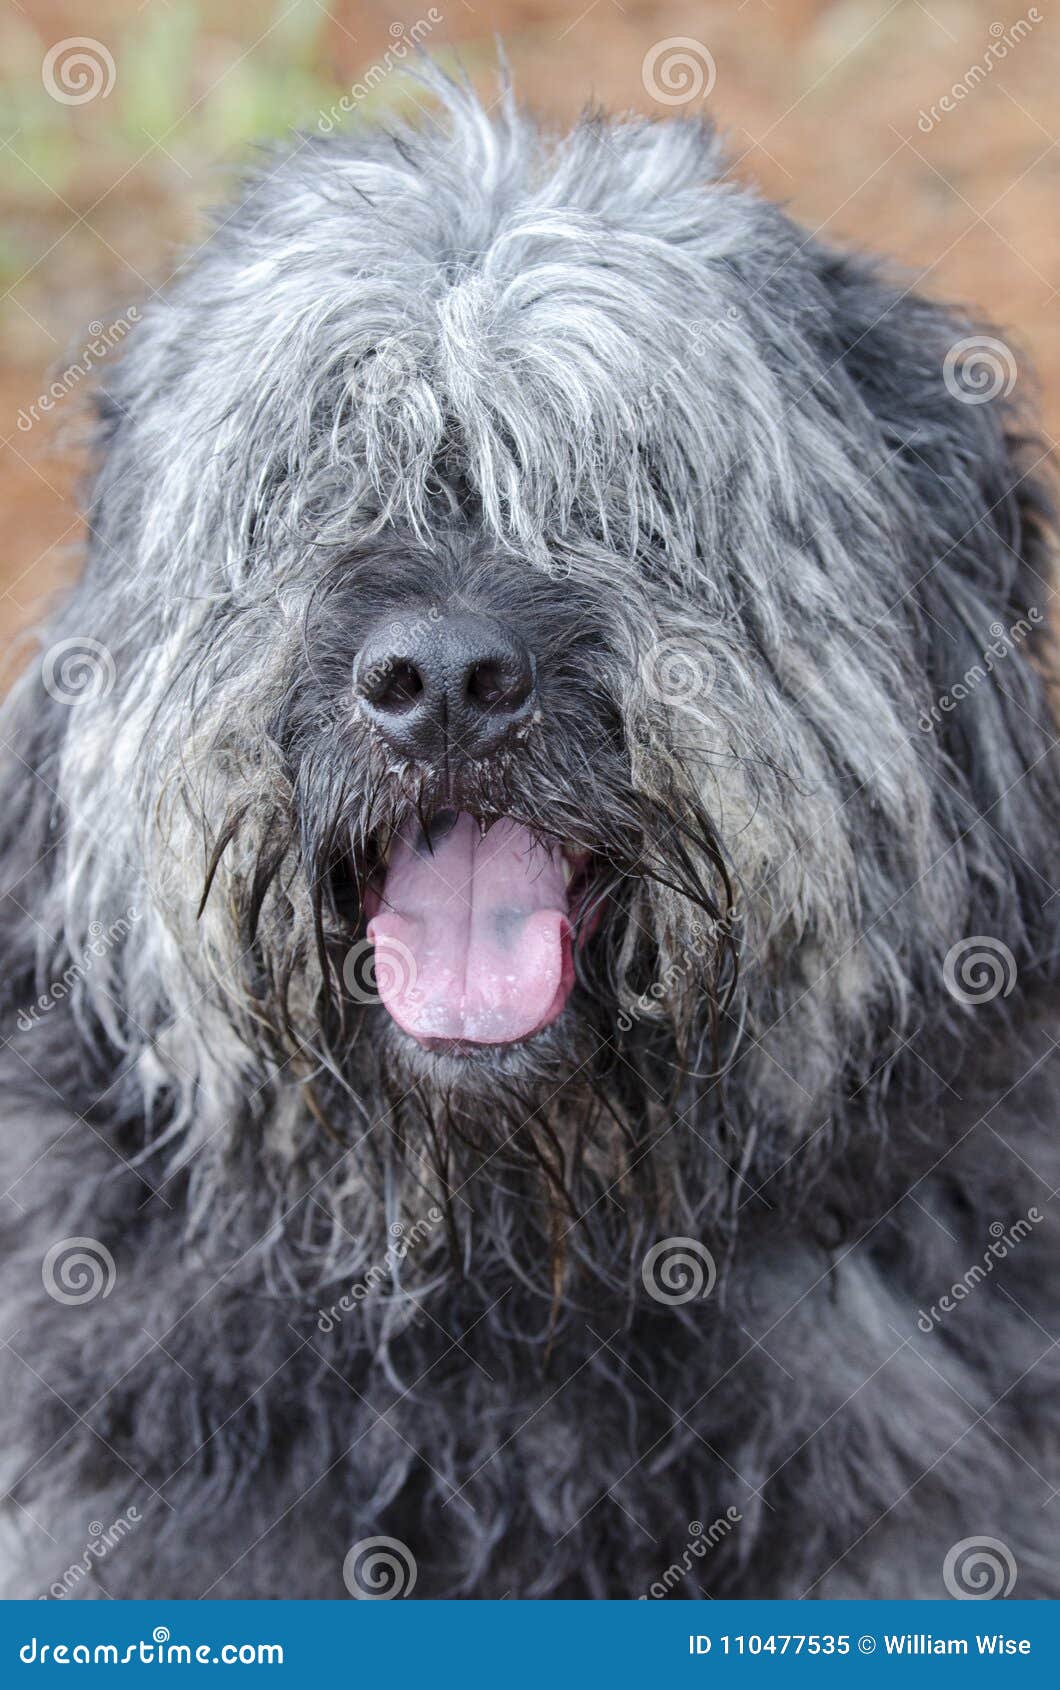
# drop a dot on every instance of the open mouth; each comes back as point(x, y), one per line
point(475, 929)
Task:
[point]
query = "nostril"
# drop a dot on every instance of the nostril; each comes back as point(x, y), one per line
point(496, 686)
point(488, 685)
point(395, 686)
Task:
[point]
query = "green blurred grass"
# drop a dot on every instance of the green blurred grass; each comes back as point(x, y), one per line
point(203, 82)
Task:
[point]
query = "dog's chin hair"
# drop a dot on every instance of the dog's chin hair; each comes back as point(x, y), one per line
point(528, 1171)
point(549, 1058)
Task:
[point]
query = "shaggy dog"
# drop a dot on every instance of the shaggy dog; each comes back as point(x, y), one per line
point(530, 945)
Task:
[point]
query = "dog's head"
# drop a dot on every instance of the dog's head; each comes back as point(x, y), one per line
point(532, 576)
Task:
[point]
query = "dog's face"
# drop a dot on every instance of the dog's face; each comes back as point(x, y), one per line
point(527, 579)
point(492, 868)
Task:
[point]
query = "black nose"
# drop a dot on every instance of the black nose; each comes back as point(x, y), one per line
point(453, 687)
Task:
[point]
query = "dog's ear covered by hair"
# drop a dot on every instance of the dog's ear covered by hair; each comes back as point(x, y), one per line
point(951, 400)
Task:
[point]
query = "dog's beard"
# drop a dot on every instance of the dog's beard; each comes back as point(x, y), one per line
point(553, 1167)
point(513, 911)
point(534, 1133)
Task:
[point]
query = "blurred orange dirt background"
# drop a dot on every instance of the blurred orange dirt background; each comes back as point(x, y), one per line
point(827, 104)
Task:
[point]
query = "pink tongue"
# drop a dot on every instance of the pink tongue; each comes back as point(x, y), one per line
point(471, 938)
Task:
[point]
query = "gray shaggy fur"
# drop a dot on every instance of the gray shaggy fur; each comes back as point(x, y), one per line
point(589, 386)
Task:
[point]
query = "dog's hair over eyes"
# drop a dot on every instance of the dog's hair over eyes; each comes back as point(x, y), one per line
point(596, 386)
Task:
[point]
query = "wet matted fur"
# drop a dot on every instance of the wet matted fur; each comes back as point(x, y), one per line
point(715, 475)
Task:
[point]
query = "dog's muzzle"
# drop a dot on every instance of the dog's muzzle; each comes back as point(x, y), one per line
point(473, 925)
